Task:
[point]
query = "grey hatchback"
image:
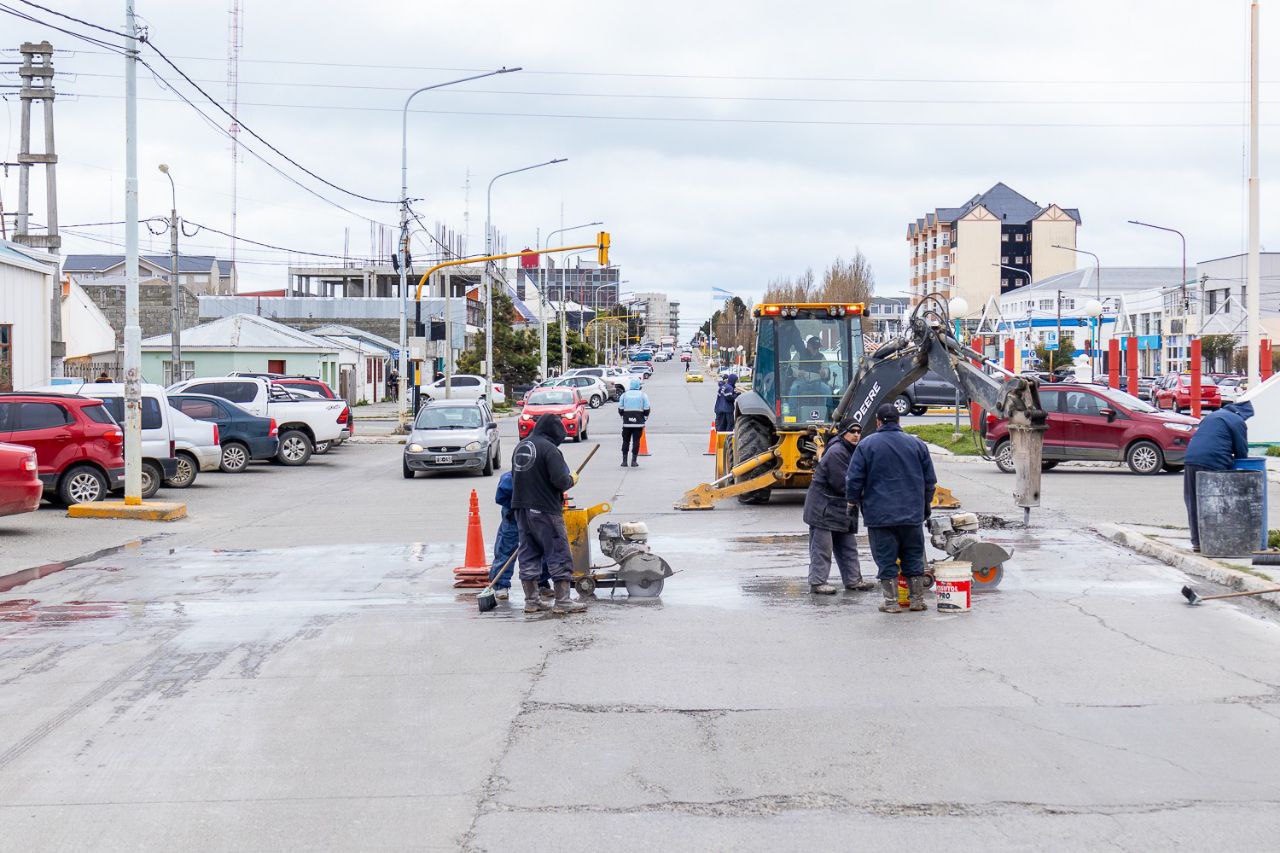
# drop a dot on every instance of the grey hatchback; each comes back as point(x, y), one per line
point(453, 435)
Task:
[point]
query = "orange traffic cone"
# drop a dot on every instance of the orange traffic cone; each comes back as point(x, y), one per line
point(474, 571)
point(711, 443)
point(644, 445)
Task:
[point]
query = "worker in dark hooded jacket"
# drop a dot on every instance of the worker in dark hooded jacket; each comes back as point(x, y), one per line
point(1221, 439)
point(833, 527)
point(726, 393)
point(891, 478)
point(540, 477)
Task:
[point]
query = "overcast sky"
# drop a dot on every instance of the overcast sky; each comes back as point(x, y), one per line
point(724, 144)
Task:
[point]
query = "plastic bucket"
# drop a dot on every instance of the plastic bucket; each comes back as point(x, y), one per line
point(1258, 464)
point(953, 585)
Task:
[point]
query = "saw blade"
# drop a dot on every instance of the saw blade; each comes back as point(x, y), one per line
point(645, 587)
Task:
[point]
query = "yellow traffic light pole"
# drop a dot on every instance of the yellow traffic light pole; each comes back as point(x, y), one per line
point(601, 246)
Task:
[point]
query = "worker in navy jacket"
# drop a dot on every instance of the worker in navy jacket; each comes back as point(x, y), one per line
point(833, 527)
point(891, 479)
point(1221, 439)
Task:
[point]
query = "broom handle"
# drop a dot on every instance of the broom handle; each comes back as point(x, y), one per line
point(1239, 594)
point(594, 448)
point(503, 569)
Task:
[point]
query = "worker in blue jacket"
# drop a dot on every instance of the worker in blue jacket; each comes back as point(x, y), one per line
point(726, 394)
point(633, 408)
point(1221, 439)
point(891, 480)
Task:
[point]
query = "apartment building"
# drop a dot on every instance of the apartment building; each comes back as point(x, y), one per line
point(995, 242)
point(887, 313)
point(658, 315)
point(201, 274)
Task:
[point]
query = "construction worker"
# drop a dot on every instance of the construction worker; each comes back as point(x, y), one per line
point(540, 477)
point(1221, 439)
point(507, 542)
point(891, 479)
point(726, 393)
point(633, 407)
point(833, 527)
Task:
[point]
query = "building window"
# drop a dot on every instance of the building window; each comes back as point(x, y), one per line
point(1046, 304)
point(1017, 238)
point(946, 238)
point(946, 260)
point(6, 356)
point(1004, 282)
point(1018, 259)
point(188, 371)
point(1004, 238)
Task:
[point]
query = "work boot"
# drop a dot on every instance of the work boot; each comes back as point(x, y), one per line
point(916, 587)
point(624, 459)
point(634, 463)
point(533, 602)
point(502, 594)
point(563, 605)
point(889, 589)
point(860, 585)
point(822, 589)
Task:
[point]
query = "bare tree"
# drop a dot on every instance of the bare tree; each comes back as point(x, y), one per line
point(801, 288)
point(848, 281)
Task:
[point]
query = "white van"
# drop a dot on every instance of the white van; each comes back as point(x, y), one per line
point(159, 459)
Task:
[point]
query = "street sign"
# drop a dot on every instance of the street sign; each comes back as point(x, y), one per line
point(1051, 340)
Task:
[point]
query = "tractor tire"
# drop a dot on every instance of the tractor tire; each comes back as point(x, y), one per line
point(751, 437)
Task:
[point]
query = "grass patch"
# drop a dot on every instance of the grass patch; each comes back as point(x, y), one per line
point(1273, 538)
point(1273, 450)
point(941, 435)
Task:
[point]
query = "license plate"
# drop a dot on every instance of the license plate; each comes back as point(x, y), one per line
point(444, 460)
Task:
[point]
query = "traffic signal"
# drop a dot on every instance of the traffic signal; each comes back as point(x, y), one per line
point(602, 247)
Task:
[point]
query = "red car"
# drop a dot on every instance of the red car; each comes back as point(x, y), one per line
point(565, 402)
point(1094, 422)
point(20, 486)
point(79, 447)
point(1173, 392)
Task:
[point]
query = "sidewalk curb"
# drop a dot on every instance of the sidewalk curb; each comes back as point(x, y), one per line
point(376, 439)
point(1200, 567)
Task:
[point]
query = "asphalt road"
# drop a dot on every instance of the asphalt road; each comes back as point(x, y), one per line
point(290, 668)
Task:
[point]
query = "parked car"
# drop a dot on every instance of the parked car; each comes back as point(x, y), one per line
point(642, 370)
point(1232, 388)
point(465, 386)
point(312, 386)
point(929, 390)
point(79, 447)
point(615, 386)
point(1145, 384)
point(642, 355)
point(20, 486)
point(591, 388)
point(453, 435)
point(662, 356)
point(243, 437)
point(159, 449)
point(1092, 422)
point(303, 422)
point(563, 401)
point(196, 447)
point(686, 356)
point(1174, 393)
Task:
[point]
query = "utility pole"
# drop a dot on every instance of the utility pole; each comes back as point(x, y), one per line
point(235, 41)
point(36, 73)
point(175, 290)
point(1253, 299)
point(132, 332)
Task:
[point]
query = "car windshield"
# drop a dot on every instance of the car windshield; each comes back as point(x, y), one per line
point(1204, 380)
point(448, 417)
point(551, 398)
point(1130, 402)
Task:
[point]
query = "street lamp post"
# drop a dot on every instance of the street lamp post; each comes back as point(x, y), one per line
point(1182, 284)
point(542, 281)
point(175, 322)
point(404, 235)
point(488, 277)
point(1097, 289)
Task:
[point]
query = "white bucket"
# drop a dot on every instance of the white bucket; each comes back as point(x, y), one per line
point(953, 584)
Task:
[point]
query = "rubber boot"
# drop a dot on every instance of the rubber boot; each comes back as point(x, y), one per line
point(889, 589)
point(916, 586)
point(563, 605)
point(533, 602)
point(624, 459)
point(634, 463)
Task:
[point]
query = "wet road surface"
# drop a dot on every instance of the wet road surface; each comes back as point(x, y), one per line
point(310, 680)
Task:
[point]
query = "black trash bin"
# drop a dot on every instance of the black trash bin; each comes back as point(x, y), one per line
point(1229, 509)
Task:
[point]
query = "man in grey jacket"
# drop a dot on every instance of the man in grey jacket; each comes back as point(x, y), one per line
point(833, 527)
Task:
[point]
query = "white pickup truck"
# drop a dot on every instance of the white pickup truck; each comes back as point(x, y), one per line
point(302, 423)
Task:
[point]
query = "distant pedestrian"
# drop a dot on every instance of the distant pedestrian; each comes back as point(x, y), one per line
point(633, 407)
point(686, 366)
point(393, 383)
point(540, 479)
point(726, 393)
point(891, 479)
point(1221, 439)
point(103, 377)
point(439, 375)
point(833, 525)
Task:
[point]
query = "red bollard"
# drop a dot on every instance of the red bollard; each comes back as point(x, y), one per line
point(1195, 380)
point(1264, 361)
point(1113, 363)
point(1008, 354)
point(1131, 360)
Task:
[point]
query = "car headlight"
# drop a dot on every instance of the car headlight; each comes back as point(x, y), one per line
point(526, 417)
point(415, 448)
point(570, 416)
point(1180, 427)
point(474, 445)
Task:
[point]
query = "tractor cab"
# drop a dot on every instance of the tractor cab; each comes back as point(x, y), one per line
point(806, 354)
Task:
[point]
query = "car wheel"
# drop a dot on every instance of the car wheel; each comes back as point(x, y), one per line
point(1144, 457)
point(919, 410)
point(322, 447)
point(487, 470)
point(408, 472)
point(152, 477)
point(595, 401)
point(1003, 456)
point(902, 405)
point(1049, 466)
point(295, 448)
point(1173, 469)
point(583, 435)
point(188, 468)
point(497, 457)
point(82, 484)
point(235, 457)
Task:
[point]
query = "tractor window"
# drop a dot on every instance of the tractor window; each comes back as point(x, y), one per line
point(814, 360)
point(764, 379)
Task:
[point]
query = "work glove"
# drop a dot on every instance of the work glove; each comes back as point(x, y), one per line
point(575, 478)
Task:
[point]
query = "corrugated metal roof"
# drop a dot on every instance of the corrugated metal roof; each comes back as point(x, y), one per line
point(246, 332)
